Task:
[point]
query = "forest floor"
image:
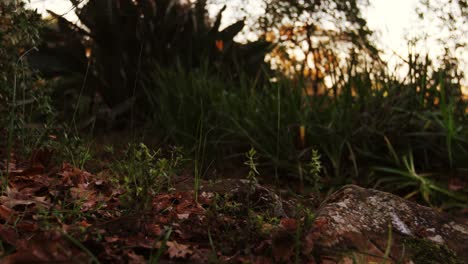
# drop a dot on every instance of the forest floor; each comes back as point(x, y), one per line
point(54, 212)
point(133, 205)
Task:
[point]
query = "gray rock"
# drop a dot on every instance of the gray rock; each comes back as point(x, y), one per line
point(356, 219)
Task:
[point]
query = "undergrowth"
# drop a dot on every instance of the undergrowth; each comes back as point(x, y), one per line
point(351, 125)
point(144, 172)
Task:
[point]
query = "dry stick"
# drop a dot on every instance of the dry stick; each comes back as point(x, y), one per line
point(278, 127)
point(73, 7)
point(134, 91)
point(79, 96)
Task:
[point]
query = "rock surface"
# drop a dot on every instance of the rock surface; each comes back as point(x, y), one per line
point(372, 222)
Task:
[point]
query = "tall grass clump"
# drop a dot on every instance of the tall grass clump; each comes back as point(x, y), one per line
point(269, 118)
point(182, 102)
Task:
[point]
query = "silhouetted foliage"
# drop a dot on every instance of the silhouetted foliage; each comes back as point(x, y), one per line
point(19, 87)
point(127, 38)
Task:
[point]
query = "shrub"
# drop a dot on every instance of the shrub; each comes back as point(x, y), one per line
point(24, 98)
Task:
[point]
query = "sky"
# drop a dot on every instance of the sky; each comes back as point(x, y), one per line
point(392, 21)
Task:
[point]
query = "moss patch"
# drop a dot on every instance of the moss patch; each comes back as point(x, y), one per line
point(427, 252)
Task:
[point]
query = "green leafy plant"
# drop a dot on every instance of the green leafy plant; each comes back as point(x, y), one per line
point(315, 168)
point(145, 172)
point(252, 178)
point(74, 149)
point(251, 162)
point(408, 177)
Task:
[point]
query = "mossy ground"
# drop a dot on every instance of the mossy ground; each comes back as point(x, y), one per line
point(423, 251)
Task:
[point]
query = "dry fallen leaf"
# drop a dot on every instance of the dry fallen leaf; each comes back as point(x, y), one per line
point(7, 214)
point(74, 176)
point(289, 224)
point(47, 247)
point(176, 250)
point(183, 216)
point(15, 198)
point(135, 258)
